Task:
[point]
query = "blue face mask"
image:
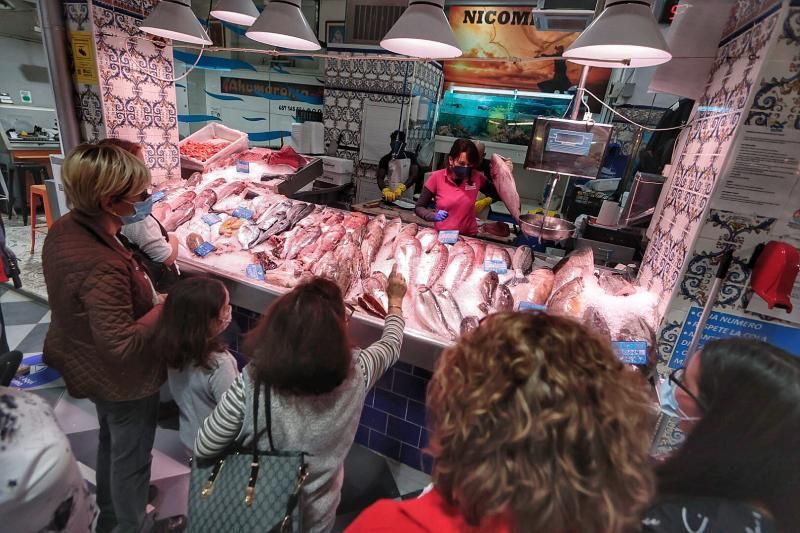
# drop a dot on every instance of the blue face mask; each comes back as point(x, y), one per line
point(462, 173)
point(668, 402)
point(141, 210)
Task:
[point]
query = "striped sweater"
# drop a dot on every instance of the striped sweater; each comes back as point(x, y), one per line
point(322, 426)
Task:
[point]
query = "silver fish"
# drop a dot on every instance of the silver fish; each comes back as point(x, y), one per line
point(568, 300)
point(200, 228)
point(427, 237)
point(248, 235)
point(390, 230)
point(450, 311)
point(407, 258)
point(428, 312)
point(371, 242)
point(406, 233)
point(459, 267)
point(432, 263)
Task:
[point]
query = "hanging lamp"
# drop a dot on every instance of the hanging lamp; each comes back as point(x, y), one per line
point(283, 24)
point(625, 35)
point(422, 31)
point(242, 12)
point(174, 19)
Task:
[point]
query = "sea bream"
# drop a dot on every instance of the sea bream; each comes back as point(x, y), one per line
point(578, 264)
point(428, 313)
point(450, 311)
point(373, 298)
point(459, 266)
point(536, 289)
point(503, 180)
point(371, 243)
point(568, 300)
point(432, 263)
point(248, 235)
point(407, 258)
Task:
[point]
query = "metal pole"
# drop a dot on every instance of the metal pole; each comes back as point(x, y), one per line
point(711, 300)
point(54, 35)
point(576, 108)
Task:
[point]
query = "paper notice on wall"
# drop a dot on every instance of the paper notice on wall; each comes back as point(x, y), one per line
point(763, 174)
point(83, 57)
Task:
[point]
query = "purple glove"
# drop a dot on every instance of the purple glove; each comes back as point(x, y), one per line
point(440, 215)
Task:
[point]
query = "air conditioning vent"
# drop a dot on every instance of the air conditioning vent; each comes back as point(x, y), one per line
point(367, 21)
point(563, 15)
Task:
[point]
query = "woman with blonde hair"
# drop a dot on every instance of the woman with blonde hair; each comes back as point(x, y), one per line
point(536, 426)
point(103, 308)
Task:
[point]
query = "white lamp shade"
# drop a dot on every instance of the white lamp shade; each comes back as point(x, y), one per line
point(283, 24)
point(242, 12)
point(173, 19)
point(422, 31)
point(625, 35)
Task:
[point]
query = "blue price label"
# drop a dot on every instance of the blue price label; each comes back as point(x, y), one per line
point(495, 265)
point(448, 236)
point(255, 272)
point(204, 249)
point(242, 212)
point(211, 218)
point(243, 167)
point(631, 352)
point(158, 196)
point(530, 306)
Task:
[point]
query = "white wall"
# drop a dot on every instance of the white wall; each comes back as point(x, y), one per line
point(24, 67)
point(330, 10)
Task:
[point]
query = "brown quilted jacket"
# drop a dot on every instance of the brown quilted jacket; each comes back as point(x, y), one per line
point(102, 313)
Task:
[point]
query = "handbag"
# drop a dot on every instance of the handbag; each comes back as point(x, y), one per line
point(248, 490)
point(163, 276)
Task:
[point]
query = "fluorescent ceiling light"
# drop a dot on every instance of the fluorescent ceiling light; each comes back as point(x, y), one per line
point(422, 31)
point(625, 35)
point(509, 92)
point(242, 12)
point(173, 19)
point(283, 24)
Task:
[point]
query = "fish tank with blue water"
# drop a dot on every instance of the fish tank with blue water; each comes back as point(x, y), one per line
point(496, 115)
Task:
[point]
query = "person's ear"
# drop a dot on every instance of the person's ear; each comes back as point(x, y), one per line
point(107, 203)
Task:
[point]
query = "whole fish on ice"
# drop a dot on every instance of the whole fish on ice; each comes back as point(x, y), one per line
point(450, 311)
point(568, 300)
point(536, 289)
point(428, 313)
point(432, 263)
point(522, 262)
point(578, 264)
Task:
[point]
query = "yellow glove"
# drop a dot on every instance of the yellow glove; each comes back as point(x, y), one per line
point(480, 205)
point(388, 195)
point(400, 190)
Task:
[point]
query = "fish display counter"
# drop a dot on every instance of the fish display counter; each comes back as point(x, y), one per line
point(240, 229)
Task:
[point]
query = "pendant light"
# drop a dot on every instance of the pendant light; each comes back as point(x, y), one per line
point(625, 35)
point(173, 19)
point(283, 24)
point(242, 12)
point(422, 31)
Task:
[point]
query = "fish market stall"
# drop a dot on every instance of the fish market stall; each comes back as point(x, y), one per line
point(238, 227)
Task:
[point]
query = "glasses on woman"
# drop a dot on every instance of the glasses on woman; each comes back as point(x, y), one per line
point(677, 377)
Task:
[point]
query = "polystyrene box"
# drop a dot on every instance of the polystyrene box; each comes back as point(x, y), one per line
point(336, 165)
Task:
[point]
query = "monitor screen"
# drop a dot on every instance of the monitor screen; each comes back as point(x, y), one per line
point(568, 147)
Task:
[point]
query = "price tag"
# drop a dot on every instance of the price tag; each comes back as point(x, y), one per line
point(448, 236)
point(243, 167)
point(254, 271)
point(158, 196)
point(631, 352)
point(242, 212)
point(211, 218)
point(530, 306)
point(204, 249)
point(495, 265)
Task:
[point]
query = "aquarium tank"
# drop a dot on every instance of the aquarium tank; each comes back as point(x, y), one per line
point(496, 115)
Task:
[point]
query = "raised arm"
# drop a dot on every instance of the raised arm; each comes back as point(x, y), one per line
point(224, 423)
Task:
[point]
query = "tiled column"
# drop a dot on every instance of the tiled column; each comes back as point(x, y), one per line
point(751, 83)
point(133, 97)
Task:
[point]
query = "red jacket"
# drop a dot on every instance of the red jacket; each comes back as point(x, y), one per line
point(428, 514)
point(102, 313)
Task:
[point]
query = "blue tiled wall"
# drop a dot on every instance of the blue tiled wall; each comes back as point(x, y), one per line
point(393, 420)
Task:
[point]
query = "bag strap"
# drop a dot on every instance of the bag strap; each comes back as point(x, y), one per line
point(267, 415)
point(256, 394)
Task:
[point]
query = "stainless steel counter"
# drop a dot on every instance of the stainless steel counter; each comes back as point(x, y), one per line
point(419, 349)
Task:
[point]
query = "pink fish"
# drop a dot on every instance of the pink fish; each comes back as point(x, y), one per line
point(179, 216)
point(432, 264)
point(504, 183)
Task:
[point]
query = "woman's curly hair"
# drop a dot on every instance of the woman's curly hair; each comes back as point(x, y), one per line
point(535, 417)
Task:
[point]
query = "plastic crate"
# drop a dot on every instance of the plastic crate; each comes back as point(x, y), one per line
point(214, 132)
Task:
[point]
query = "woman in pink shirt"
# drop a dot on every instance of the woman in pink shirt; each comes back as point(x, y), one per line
point(454, 190)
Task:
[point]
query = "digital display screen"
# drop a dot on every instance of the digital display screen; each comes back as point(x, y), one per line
point(568, 142)
point(668, 12)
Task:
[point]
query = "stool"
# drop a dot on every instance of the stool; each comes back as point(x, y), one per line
point(18, 180)
point(41, 192)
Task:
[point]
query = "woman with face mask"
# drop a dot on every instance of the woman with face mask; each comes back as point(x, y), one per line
point(454, 191)
point(154, 247)
point(738, 470)
point(104, 308)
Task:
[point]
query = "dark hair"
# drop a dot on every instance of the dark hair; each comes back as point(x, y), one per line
point(746, 447)
point(300, 345)
point(128, 146)
point(398, 135)
point(465, 145)
point(183, 331)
